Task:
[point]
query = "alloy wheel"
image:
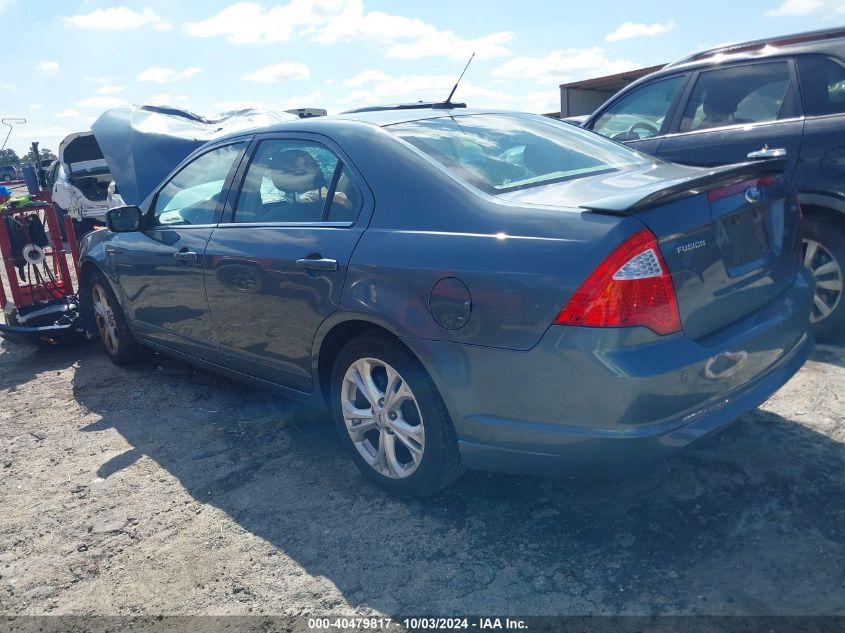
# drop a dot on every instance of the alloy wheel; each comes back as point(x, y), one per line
point(383, 418)
point(104, 317)
point(828, 275)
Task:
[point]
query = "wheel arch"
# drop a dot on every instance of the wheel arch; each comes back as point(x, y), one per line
point(821, 204)
point(89, 267)
point(330, 339)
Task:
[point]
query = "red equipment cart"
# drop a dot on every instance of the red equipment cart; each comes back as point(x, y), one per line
point(43, 305)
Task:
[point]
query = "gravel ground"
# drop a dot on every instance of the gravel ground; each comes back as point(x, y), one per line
point(162, 489)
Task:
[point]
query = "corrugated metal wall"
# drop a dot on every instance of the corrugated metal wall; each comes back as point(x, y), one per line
point(577, 101)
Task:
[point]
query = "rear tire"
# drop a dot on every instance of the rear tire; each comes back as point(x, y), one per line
point(118, 341)
point(824, 255)
point(404, 441)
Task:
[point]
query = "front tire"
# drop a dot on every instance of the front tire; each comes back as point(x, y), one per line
point(824, 256)
point(392, 419)
point(120, 345)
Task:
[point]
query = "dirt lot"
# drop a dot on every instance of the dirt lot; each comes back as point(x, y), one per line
point(167, 490)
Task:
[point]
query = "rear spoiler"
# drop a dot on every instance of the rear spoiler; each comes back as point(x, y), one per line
point(628, 204)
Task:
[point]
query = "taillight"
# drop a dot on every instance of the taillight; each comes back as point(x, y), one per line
point(630, 287)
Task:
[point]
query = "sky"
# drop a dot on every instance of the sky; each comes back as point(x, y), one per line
point(67, 62)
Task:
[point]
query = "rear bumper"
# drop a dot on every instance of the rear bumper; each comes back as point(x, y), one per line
point(93, 213)
point(611, 400)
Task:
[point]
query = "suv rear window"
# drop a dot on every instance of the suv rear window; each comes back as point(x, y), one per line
point(822, 85)
point(752, 93)
point(499, 152)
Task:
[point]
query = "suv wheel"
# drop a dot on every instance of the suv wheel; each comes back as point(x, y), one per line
point(392, 419)
point(824, 256)
point(120, 345)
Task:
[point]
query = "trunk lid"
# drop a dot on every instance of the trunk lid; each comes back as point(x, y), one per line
point(730, 236)
point(80, 147)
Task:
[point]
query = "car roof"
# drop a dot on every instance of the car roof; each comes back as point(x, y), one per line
point(379, 118)
point(800, 43)
point(770, 48)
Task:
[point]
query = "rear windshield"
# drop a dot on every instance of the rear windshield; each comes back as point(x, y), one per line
point(498, 153)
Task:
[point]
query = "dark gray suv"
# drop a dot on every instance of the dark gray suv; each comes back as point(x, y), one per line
point(7, 173)
point(761, 99)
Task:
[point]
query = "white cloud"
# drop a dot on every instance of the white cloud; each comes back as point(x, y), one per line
point(285, 70)
point(5, 4)
point(118, 18)
point(229, 106)
point(330, 21)
point(102, 102)
point(36, 106)
point(47, 67)
point(795, 8)
point(634, 29)
point(70, 113)
point(377, 87)
point(107, 89)
point(365, 77)
point(165, 98)
point(542, 102)
point(564, 65)
point(310, 100)
point(159, 75)
point(48, 137)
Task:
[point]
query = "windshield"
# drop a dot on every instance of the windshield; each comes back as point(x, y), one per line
point(498, 153)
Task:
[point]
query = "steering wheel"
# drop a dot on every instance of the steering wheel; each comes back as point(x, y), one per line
point(645, 126)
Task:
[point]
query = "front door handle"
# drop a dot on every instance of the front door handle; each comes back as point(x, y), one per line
point(185, 256)
point(321, 263)
point(766, 152)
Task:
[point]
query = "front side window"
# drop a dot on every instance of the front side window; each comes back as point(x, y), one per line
point(641, 113)
point(297, 181)
point(822, 85)
point(753, 93)
point(192, 195)
point(500, 153)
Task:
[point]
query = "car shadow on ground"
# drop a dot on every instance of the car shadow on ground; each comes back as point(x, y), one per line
point(750, 523)
point(830, 354)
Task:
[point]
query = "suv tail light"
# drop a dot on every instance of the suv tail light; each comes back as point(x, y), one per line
point(630, 287)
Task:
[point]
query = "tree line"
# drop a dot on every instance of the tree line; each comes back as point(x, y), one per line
point(10, 157)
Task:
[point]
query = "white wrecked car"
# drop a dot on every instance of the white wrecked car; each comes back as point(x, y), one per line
point(79, 181)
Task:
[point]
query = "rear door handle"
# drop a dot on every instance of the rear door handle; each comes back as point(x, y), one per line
point(765, 152)
point(185, 256)
point(317, 264)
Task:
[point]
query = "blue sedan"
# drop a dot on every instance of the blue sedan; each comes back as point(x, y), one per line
point(466, 289)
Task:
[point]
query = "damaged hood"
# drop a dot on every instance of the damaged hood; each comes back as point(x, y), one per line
point(143, 144)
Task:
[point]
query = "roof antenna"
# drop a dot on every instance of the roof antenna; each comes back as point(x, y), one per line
point(448, 101)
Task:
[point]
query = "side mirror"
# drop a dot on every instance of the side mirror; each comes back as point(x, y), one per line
point(123, 219)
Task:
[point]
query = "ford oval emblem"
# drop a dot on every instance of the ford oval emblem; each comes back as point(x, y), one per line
point(753, 194)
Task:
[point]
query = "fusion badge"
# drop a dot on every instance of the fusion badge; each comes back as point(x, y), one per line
point(691, 246)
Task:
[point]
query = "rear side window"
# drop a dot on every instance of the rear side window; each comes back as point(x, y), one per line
point(641, 113)
point(500, 153)
point(297, 181)
point(822, 85)
point(753, 93)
